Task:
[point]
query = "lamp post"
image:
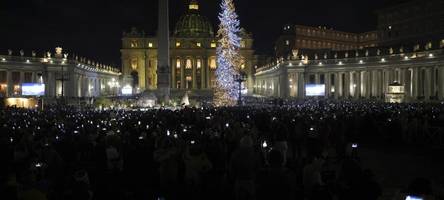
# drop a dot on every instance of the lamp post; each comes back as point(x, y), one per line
point(240, 78)
point(113, 84)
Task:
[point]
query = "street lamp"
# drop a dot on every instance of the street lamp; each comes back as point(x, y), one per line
point(113, 84)
point(240, 78)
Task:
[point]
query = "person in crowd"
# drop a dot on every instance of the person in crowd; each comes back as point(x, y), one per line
point(256, 151)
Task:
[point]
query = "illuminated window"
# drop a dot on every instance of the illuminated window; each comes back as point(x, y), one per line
point(242, 44)
point(213, 45)
point(416, 48)
point(189, 65)
point(198, 64)
point(178, 63)
point(428, 46)
point(133, 44)
point(189, 78)
point(213, 63)
point(177, 44)
point(134, 64)
point(198, 44)
point(193, 5)
point(150, 45)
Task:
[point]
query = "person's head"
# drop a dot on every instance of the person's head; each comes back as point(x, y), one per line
point(275, 158)
point(246, 141)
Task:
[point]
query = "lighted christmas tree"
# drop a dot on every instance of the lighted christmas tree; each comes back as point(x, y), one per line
point(228, 57)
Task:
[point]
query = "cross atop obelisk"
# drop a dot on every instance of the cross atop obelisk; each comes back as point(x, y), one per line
point(163, 54)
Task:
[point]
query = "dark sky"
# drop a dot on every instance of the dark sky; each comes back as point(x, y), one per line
point(93, 28)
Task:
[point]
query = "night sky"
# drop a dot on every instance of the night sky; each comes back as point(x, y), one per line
point(93, 28)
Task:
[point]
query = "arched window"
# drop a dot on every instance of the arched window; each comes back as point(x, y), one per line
point(134, 64)
point(178, 63)
point(134, 44)
point(198, 63)
point(213, 64)
point(189, 64)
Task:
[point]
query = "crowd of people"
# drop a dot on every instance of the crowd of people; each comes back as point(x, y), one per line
point(304, 150)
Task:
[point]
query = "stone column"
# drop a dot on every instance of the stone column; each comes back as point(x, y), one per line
point(338, 85)
point(365, 85)
point(194, 76)
point(22, 78)
point(358, 85)
point(381, 83)
point(406, 81)
point(415, 83)
point(434, 87)
point(208, 73)
point(202, 74)
point(440, 83)
point(173, 74)
point(317, 79)
point(182, 74)
point(347, 84)
point(427, 84)
point(327, 84)
point(301, 85)
point(163, 51)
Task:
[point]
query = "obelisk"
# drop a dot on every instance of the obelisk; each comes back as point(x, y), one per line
point(163, 52)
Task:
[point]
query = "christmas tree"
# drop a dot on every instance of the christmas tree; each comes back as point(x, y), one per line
point(228, 57)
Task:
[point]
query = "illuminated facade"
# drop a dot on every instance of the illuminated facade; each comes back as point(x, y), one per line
point(411, 22)
point(80, 77)
point(307, 37)
point(366, 73)
point(192, 55)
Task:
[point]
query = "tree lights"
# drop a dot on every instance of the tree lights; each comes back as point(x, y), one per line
point(228, 58)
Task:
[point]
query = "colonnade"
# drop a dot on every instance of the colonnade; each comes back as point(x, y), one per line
point(420, 82)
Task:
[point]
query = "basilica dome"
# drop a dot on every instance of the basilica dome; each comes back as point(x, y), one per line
point(192, 24)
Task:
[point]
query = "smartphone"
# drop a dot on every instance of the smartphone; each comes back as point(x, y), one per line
point(354, 145)
point(264, 144)
point(193, 142)
point(168, 133)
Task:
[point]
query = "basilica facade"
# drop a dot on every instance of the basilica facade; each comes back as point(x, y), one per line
point(193, 62)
